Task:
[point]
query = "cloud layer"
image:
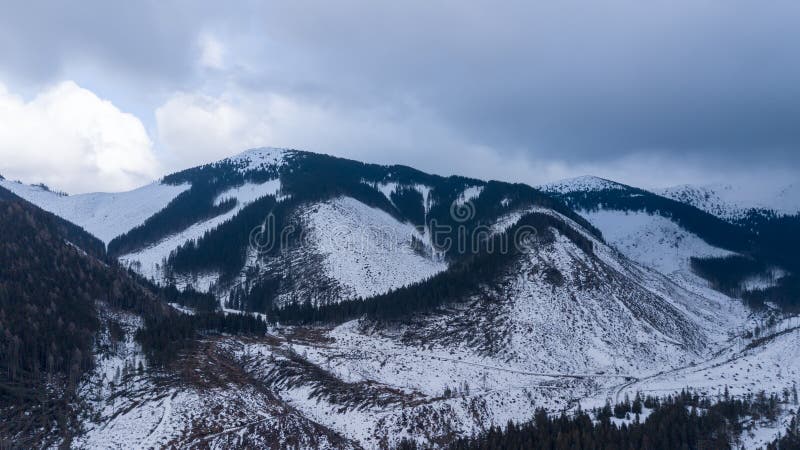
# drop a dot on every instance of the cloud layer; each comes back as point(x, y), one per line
point(651, 93)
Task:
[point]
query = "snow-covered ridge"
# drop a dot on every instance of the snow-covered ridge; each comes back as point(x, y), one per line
point(728, 201)
point(585, 183)
point(105, 215)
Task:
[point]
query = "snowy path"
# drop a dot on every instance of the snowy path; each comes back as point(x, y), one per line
point(152, 437)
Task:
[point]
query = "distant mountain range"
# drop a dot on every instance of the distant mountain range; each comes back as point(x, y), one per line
point(735, 202)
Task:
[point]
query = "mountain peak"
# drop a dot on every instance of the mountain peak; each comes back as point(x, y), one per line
point(257, 158)
point(581, 183)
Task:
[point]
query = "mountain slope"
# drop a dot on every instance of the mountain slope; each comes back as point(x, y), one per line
point(76, 335)
point(562, 320)
point(678, 237)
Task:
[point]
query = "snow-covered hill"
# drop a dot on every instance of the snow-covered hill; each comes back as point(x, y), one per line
point(652, 240)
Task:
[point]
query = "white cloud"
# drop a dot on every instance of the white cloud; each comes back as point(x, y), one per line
point(197, 128)
point(71, 139)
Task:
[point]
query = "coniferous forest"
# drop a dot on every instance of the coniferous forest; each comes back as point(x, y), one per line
point(48, 315)
point(685, 421)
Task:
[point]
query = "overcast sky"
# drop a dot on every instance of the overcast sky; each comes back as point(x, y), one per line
point(107, 95)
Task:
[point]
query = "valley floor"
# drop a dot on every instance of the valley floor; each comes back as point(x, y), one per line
point(346, 387)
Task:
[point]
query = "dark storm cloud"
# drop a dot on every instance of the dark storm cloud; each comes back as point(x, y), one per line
point(587, 80)
point(573, 81)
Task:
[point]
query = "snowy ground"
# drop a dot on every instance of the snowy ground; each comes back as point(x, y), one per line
point(746, 366)
point(209, 403)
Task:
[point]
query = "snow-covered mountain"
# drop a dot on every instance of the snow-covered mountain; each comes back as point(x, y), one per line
point(733, 202)
point(408, 305)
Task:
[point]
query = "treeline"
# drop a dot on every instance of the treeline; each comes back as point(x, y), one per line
point(224, 249)
point(188, 297)
point(456, 284)
point(728, 274)
point(790, 440)
point(777, 237)
point(786, 294)
point(684, 421)
point(191, 206)
point(163, 339)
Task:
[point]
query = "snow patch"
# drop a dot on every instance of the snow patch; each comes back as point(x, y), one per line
point(249, 192)
point(469, 194)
